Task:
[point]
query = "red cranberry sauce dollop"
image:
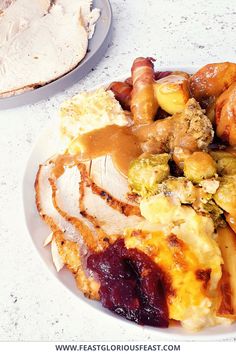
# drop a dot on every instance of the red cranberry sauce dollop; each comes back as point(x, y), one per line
point(132, 285)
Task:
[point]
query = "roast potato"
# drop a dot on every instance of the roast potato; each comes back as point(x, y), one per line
point(172, 93)
point(231, 220)
point(226, 162)
point(210, 110)
point(225, 195)
point(227, 287)
point(212, 80)
point(225, 115)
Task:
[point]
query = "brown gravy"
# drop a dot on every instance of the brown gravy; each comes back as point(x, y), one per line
point(119, 142)
point(60, 162)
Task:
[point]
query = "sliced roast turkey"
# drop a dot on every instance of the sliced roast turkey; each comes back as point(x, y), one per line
point(104, 174)
point(70, 202)
point(46, 207)
point(112, 221)
point(17, 15)
point(41, 41)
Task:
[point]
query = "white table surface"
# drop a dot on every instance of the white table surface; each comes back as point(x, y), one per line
point(34, 305)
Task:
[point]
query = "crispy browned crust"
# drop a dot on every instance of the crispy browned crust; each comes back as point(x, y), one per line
point(227, 285)
point(68, 250)
point(225, 115)
point(85, 232)
point(225, 307)
point(122, 207)
point(104, 239)
point(212, 79)
point(19, 90)
point(204, 275)
point(47, 219)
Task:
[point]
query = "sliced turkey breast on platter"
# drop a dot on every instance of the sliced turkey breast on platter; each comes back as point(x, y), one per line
point(41, 41)
point(4, 4)
point(17, 15)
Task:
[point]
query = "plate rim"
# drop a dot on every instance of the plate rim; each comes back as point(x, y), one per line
point(185, 335)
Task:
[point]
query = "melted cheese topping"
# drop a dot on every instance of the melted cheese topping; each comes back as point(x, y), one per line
point(178, 261)
point(182, 243)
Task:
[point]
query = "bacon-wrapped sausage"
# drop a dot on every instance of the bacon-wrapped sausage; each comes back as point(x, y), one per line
point(143, 102)
point(122, 92)
point(129, 81)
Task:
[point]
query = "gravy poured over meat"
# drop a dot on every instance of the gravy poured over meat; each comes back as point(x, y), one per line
point(119, 142)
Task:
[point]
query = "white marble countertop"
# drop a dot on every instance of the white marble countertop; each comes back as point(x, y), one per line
point(34, 305)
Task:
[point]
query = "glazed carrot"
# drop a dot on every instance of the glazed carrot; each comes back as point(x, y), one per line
point(143, 102)
point(122, 92)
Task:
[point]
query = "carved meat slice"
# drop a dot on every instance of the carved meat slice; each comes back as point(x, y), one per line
point(78, 200)
point(104, 174)
point(4, 4)
point(45, 205)
point(67, 245)
point(66, 195)
point(89, 15)
point(17, 15)
point(41, 41)
point(48, 207)
point(111, 220)
point(104, 180)
point(70, 255)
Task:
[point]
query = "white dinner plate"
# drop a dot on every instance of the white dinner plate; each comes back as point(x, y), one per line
point(46, 146)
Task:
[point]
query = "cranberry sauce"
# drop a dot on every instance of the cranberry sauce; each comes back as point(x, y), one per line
point(132, 285)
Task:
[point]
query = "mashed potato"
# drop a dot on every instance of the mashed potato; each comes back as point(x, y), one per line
point(88, 111)
point(183, 244)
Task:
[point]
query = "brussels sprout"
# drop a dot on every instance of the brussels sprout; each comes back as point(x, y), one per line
point(226, 162)
point(180, 188)
point(227, 166)
point(220, 154)
point(146, 172)
point(198, 166)
point(215, 213)
point(225, 195)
